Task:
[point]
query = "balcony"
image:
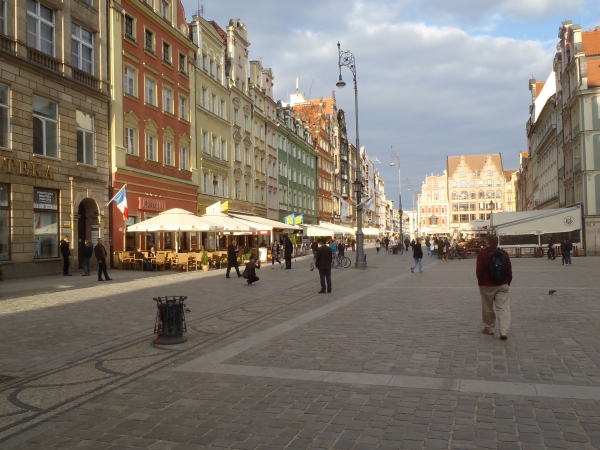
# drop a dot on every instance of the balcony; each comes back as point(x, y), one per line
point(42, 59)
point(85, 78)
point(7, 44)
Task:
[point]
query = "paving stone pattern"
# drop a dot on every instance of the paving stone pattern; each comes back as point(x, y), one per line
point(100, 384)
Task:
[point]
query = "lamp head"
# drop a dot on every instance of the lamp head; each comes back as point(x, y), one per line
point(341, 83)
point(392, 164)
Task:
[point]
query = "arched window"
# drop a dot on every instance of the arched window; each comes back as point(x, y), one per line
point(463, 184)
point(490, 194)
point(489, 173)
point(472, 183)
point(481, 183)
point(454, 196)
point(498, 193)
point(463, 174)
point(481, 194)
point(498, 182)
point(464, 194)
point(490, 182)
point(454, 184)
point(473, 195)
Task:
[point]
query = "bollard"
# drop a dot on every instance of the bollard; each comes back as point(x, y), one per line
point(170, 320)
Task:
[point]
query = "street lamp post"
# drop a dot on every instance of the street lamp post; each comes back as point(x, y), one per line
point(396, 158)
point(347, 59)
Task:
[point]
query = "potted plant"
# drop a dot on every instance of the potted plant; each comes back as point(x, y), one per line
point(247, 254)
point(204, 262)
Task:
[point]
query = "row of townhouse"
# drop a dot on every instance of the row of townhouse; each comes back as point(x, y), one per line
point(97, 95)
point(562, 165)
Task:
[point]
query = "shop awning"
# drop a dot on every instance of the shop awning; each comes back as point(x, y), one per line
point(476, 225)
point(175, 219)
point(538, 222)
point(226, 223)
point(261, 223)
point(339, 229)
point(311, 230)
point(371, 231)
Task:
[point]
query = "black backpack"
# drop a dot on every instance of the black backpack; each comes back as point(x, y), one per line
point(497, 265)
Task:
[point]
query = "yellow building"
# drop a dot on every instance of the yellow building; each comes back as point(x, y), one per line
point(259, 125)
point(510, 183)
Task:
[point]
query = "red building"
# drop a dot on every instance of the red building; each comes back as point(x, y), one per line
point(153, 149)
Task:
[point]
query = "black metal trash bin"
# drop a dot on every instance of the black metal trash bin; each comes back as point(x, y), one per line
point(170, 320)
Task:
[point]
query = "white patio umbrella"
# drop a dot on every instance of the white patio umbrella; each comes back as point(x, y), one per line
point(175, 219)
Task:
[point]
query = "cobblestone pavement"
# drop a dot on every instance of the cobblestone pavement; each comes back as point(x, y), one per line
point(389, 360)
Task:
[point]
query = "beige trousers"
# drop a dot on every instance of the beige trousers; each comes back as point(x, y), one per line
point(499, 297)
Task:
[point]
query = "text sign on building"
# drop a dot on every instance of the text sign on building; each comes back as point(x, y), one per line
point(152, 204)
point(45, 199)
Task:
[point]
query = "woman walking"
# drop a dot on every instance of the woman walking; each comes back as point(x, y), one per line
point(428, 245)
point(377, 245)
point(417, 257)
point(275, 254)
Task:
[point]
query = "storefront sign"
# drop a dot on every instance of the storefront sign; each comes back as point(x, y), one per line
point(45, 199)
point(26, 168)
point(235, 206)
point(152, 204)
point(261, 232)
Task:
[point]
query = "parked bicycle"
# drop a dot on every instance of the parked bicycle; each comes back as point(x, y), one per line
point(391, 248)
point(336, 262)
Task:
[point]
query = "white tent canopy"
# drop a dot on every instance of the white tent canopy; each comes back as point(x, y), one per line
point(226, 223)
point(261, 223)
point(311, 230)
point(175, 219)
point(476, 225)
point(370, 231)
point(338, 228)
point(538, 222)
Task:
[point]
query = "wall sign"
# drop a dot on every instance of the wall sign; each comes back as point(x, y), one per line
point(26, 168)
point(45, 199)
point(152, 204)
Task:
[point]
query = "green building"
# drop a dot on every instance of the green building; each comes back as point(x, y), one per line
point(297, 167)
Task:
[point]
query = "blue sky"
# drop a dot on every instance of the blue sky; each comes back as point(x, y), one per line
point(435, 77)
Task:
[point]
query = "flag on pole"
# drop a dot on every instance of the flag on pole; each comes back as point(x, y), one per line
point(367, 203)
point(121, 202)
point(345, 208)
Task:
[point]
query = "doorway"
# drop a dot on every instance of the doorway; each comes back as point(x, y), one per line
point(88, 226)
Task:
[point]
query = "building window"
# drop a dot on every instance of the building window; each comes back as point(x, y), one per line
point(3, 17)
point(183, 109)
point(498, 182)
point(129, 80)
point(165, 10)
point(131, 141)
point(236, 189)
point(489, 173)
point(247, 193)
point(45, 127)
point(85, 138)
point(223, 111)
point(223, 187)
point(166, 53)
point(235, 116)
point(40, 27)
point(169, 161)
point(183, 159)
point(150, 148)
point(215, 148)
point(168, 100)
point(213, 104)
point(224, 150)
point(149, 40)
point(204, 98)
point(45, 223)
point(150, 92)
point(129, 30)
point(182, 65)
point(4, 115)
point(82, 49)
point(4, 222)
point(490, 182)
point(215, 185)
point(205, 183)
point(247, 157)
point(205, 142)
point(246, 123)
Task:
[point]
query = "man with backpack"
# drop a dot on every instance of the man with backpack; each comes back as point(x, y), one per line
point(494, 275)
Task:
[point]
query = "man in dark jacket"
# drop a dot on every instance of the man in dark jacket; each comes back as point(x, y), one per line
point(406, 243)
point(565, 249)
point(88, 251)
point(314, 247)
point(323, 263)
point(494, 293)
point(100, 253)
point(65, 251)
point(551, 254)
point(289, 250)
point(250, 271)
point(232, 259)
point(341, 248)
point(417, 256)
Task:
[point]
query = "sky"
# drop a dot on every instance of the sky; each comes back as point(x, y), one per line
point(434, 77)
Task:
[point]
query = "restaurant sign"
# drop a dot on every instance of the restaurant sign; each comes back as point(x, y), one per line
point(26, 168)
point(261, 232)
point(152, 204)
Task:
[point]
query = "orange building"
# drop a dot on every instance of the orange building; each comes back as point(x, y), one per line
point(153, 150)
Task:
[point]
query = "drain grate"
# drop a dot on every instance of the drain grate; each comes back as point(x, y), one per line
point(6, 378)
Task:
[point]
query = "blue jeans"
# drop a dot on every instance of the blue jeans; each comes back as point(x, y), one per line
point(455, 254)
point(567, 257)
point(419, 262)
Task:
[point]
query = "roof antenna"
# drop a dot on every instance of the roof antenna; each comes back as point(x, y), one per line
point(200, 8)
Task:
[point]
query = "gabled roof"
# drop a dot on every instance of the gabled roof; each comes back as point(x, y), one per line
point(221, 32)
point(328, 109)
point(309, 113)
point(475, 162)
point(538, 87)
point(591, 42)
point(508, 174)
point(593, 77)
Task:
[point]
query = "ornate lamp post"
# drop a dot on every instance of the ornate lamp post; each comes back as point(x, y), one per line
point(347, 59)
point(396, 159)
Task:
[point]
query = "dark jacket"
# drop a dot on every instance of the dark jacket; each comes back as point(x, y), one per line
point(64, 248)
point(314, 246)
point(100, 252)
point(483, 277)
point(324, 257)
point(289, 247)
point(88, 250)
point(417, 250)
point(231, 253)
point(406, 241)
point(250, 270)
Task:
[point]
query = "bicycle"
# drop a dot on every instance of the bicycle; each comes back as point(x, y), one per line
point(390, 249)
point(336, 262)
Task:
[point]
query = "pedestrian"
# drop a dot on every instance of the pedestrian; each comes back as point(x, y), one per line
point(333, 246)
point(250, 271)
point(428, 245)
point(377, 245)
point(494, 275)
point(323, 263)
point(65, 251)
point(455, 252)
point(417, 256)
point(263, 244)
point(341, 247)
point(314, 247)
point(100, 254)
point(88, 251)
point(232, 259)
point(412, 244)
point(386, 242)
point(276, 254)
point(288, 251)
point(447, 249)
point(551, 254)
point(145, 262)
point(353, 244)
point(566, 249)
point(406, 243)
